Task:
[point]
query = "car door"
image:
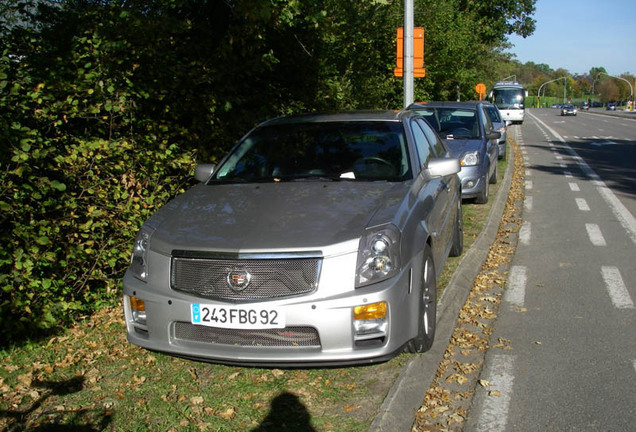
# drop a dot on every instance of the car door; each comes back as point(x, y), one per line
point(439, 220)
point(492, 147)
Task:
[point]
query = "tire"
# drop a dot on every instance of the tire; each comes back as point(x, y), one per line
point(457, 247)
point(493, 178)
point(482, 198)
point(427, 307)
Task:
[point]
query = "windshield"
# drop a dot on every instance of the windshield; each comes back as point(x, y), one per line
point(352, 150)
point(508, 98)
point(452, 123)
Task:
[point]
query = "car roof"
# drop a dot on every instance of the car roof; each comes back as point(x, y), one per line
point(448, 104)
point(347, 116)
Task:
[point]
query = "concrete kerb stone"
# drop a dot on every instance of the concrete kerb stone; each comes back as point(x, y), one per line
point(397, 412)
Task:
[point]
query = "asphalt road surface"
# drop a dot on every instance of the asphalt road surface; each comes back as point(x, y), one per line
point(568, 313)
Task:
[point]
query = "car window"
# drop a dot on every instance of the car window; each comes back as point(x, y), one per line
point(485, 119)
point(422, 145)
point(345, 150)
point(494, 114)
point(436, 143)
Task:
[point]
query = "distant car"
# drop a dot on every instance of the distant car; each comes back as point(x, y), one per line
point(500, 125)
point(611, 106)
point(316, 241)
point(568, 110)
point(585, 106)
point(467, 130)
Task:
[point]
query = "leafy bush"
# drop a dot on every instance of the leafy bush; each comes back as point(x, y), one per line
point(79, 172)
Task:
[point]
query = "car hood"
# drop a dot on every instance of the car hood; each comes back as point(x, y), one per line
point(272, 216)
point(458, 147)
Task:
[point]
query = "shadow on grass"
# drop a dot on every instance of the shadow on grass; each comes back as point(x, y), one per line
point(287, 413)
point(59, 419)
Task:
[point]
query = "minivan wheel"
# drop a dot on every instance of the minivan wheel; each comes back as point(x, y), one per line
point(457, 247)
point(482, 198)
point(493, 177)
point(427, 308)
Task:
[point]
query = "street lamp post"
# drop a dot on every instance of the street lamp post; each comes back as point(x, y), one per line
point(628, 83)
point(548, 82)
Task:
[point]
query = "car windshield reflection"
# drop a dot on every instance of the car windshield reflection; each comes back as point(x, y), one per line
point(336, 151)
point(453, 123)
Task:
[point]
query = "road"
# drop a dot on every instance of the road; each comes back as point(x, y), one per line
point(568, 313)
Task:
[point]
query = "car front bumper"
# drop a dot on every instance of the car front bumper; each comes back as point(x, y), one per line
point(474, 179)
point(327, 312)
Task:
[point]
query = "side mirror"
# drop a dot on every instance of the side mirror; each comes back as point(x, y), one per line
point(202, 172)
point(493, 135)
point(440, 167)
point(508, 123)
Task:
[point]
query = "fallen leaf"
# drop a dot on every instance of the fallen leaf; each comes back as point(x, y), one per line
point(460, 379)
point(484, 383)
point(494, 393)
point(228, 414)
point(277, 373)
point(196, 400)
point(350, 408)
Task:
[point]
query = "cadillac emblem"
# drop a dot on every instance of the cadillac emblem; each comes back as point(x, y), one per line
point(238, 279)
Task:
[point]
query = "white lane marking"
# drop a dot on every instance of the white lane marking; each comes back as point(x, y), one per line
point(582, 204)
point(516, 291)
point(595, 235)
point(527, 203)
point(494, 414)
point(616, 288)
point(574, 187)
point(528, 184)
point(524, 233)
point(634, 365)
point(567, 174)
point(627, 220)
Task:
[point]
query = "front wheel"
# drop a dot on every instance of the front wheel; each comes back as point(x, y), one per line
point(427, 307)
point(457, 246)
point(482, 197)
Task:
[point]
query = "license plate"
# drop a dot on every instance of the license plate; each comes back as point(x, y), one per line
point(237, 317)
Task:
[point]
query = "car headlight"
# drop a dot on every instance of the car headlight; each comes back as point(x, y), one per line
point(139, 257)
point(378, 255)
point(470, 159)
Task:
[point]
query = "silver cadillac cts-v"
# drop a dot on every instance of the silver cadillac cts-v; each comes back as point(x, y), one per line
point(316, 241)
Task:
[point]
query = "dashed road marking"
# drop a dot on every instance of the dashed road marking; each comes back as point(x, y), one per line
point(524, 233)
point(516, 292)
point(582, 204)
point(616, 288)
point(500, 375)
point(528, 202)
point(574, 187)
point(595, 235)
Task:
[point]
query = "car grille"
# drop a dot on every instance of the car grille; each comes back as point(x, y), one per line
point(287, 337)
point(272, 277)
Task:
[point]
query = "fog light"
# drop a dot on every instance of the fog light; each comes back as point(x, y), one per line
point(138, 309)
point(371, 311)
point(370, 319)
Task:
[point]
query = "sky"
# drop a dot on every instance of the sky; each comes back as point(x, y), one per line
point(578, 35)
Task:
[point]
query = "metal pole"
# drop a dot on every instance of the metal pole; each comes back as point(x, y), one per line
point(408, 53)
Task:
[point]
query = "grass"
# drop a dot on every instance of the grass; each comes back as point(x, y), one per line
point(90, 378)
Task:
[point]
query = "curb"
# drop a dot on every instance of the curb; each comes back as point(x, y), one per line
point(397, 412)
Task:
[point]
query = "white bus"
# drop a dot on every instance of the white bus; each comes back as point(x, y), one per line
point(509, 97)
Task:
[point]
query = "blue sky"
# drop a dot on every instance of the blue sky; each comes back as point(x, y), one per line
point(580, 34)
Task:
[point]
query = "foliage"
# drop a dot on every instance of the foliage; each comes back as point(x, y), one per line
point(106, 105)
